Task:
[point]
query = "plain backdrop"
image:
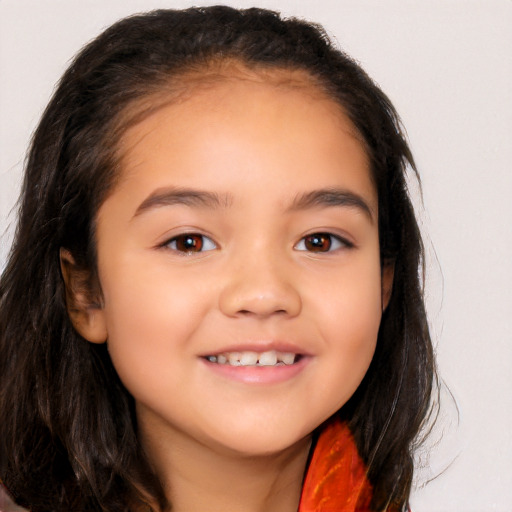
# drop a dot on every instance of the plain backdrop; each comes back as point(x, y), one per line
point(447, 66)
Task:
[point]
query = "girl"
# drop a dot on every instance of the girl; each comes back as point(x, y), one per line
point(213, 301)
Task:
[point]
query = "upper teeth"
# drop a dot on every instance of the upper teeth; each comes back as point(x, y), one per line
point(248, 358)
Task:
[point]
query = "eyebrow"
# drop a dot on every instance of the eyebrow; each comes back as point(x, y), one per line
point(170, 196)
point(332, 197)
point(329, 197)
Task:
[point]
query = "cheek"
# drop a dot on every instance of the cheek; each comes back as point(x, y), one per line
point(149, 322)
point(351, 312)
point(352, 298)
point(148, 298)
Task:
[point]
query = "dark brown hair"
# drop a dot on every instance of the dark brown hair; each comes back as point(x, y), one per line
point(68, 438)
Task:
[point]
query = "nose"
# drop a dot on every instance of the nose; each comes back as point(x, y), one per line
point(260, 287)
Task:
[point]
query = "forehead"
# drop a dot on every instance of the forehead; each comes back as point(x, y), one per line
point(250, 121)
point(203, 82)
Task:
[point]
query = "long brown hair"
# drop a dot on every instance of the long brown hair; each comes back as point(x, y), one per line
point(68, 437)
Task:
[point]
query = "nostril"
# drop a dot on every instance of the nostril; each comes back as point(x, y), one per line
point(250, 312)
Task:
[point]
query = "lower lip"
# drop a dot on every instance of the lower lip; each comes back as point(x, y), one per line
point(258, 374)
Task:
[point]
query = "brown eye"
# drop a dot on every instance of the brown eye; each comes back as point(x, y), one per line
point(191, 243)
point(318, 242)
point(322, 242)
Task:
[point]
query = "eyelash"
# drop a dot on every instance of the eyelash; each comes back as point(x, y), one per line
point(319, 238)
point(320, 242)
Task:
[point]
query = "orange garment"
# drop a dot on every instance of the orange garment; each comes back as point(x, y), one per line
point(336, 478)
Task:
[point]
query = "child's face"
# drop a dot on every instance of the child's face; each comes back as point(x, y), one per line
point(245, 222)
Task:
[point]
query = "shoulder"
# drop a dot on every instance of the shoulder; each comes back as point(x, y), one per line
point(6, 504)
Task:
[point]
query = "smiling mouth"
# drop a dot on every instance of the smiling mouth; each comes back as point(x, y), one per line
point(249, 358)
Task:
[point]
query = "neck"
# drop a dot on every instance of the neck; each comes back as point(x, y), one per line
point(196, 477)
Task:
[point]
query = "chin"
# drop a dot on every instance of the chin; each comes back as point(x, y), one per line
point(251, 443)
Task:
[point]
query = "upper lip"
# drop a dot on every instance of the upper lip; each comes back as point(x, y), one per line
point(260, 346)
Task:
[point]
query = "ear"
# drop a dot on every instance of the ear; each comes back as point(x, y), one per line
point(387, 275)
point(87, 315)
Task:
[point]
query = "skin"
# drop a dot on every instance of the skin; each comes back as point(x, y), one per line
point(259, 145)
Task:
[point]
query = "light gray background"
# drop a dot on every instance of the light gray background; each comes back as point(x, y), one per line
point(446, 65)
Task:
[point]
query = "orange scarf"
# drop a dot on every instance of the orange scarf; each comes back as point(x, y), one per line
point(336, 478)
